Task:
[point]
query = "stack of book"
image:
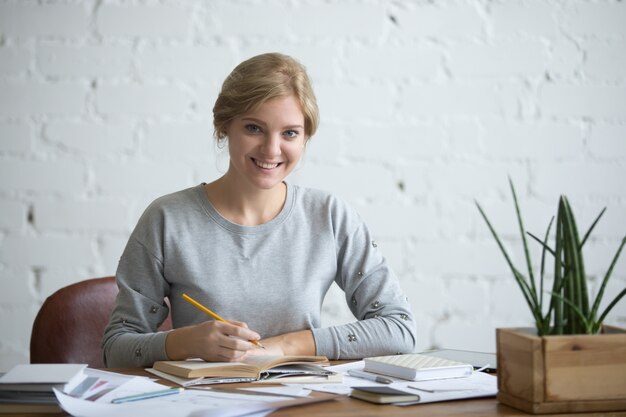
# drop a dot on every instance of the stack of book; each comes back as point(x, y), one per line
point(276, 369)
point(417, 367)
point(28, 388)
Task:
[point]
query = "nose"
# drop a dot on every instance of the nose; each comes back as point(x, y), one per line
point(271, 145)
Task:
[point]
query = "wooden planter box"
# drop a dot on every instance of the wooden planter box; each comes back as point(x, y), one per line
point(562, 374)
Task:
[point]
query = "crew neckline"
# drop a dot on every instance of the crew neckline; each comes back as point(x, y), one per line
point(280, 218)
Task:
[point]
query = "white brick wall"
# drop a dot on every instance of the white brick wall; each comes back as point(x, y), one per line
point(425, 107)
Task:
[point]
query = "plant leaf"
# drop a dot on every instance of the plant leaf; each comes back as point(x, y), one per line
point(592, 227)
point(609, 307)
point(531, 277)
point(587, 324)
point(605, 280)
point(543, 262)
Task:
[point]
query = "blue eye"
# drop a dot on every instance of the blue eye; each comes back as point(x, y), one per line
point(291, 134)
point(252, 128)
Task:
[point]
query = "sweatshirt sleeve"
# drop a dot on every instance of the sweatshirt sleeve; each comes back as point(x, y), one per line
point(131, 338)
point(385, 325)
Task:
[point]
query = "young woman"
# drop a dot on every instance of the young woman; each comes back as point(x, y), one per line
point(255, 248)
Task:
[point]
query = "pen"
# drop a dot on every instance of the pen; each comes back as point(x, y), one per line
point(212, 314)
point(368, 376)
point(146, 395)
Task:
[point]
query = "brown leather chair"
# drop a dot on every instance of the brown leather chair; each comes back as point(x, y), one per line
point(71, 322)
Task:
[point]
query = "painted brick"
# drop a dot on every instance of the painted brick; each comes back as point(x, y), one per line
point(143, 100)
point(111, 248)
point(425, 327)
point(395, 252)
point(186, 62)
point(367, 20)
point(388, 62)
point(612, 224)
point(501, 59)
point(275, 20)
point(595, 19)
point(188, 141)
point(518, 18)
point(426, 295)
point(335, 310)
point(566, 59)
point(53, 279)
point(598, 257)
point(84, 61)
point(461, 296)
point(469, 258)
point(155, 21)
point(14, 61)
point(539, 141)
point(21, 98)
point(595, 101)
point(465, 140)
point(507, 302)
point(472, 179)
point(60, 176)
point(329, 145)
point(607, 141)
point(17, 336)
point(351, 103)
point(27, 21)
point(398, 142)
point(441, 20)
point(263, 20)
point(77, 216)
point(11, 356)
point(536, 216)
point(401, 220)
point(15, 288)
point(14, 215)
point(359, 181)
point(578, 180)
point(15, 138)
point(123, 178)
point(204, 98)
point(470, 334)
point(605, 61)
point(46, 251)
point(473, 99)
point(91, 139)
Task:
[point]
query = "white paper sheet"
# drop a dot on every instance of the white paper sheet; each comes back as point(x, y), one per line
point(187, 403)
point(479, 384)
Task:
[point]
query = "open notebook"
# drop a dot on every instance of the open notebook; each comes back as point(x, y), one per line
point(252, 368)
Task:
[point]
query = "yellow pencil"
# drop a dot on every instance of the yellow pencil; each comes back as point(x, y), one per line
point(212, 314)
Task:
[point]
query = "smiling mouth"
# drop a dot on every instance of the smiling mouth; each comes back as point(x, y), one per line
point(265, 165)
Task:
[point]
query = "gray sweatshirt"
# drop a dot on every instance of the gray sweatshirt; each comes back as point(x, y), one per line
point(273, 276)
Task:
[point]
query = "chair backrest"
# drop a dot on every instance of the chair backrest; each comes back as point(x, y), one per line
point(71, 322)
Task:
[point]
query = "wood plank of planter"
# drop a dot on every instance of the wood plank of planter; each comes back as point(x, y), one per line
point(585, 366)
point(520, 365)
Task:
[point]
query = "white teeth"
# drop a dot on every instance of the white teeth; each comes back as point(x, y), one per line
point(265, 164)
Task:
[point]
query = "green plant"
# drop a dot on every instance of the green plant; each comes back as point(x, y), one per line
point(569, 310)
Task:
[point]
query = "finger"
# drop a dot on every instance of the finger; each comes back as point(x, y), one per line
point(238, 331)
point(239, 323)
point(227, 355)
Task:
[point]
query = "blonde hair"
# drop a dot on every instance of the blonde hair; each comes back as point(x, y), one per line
point(259, 79)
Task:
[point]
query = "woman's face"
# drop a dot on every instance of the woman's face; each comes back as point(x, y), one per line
point(266, 145)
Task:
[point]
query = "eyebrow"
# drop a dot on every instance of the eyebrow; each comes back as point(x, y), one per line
point(261, 122)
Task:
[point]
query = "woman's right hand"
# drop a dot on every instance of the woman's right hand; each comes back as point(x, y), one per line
point(215, 341)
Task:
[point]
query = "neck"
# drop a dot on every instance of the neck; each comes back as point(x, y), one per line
point(246, 206)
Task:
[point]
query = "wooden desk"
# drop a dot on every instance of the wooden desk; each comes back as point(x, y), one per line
point(350, 407)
